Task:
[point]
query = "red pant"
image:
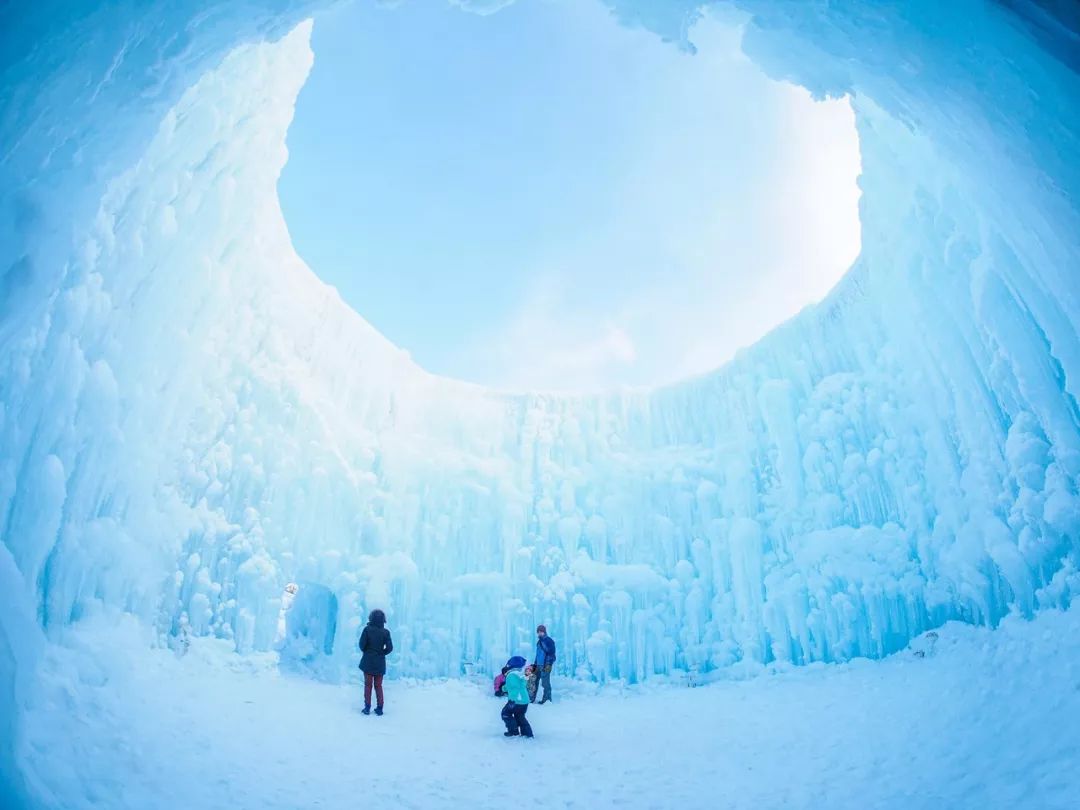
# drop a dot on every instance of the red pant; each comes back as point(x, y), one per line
point(375, 680)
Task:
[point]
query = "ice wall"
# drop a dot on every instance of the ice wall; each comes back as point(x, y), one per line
point(190, 419)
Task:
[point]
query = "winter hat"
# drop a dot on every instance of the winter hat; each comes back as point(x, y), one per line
point(517, 662)
point(541, 629)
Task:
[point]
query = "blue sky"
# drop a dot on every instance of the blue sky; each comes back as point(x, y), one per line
point(541, 198)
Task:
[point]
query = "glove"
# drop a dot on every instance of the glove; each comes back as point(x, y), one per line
point(547, 667)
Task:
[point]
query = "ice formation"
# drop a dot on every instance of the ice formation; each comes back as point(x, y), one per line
point(190, 420)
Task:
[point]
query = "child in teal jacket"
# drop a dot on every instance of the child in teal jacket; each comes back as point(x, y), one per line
point(513, 713)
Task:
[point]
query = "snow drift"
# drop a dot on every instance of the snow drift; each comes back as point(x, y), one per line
point(189, 419)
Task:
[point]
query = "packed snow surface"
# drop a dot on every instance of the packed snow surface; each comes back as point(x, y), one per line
point(982, 721)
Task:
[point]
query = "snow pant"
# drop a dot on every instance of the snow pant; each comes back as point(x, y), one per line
point(369, 681)
point(545, 681)
point(513, 715)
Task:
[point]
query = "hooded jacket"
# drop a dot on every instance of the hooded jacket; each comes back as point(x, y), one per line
point(516, 691)
point(375, 644)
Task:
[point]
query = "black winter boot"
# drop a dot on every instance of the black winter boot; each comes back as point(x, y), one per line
point(378, 711)
point(367, 710)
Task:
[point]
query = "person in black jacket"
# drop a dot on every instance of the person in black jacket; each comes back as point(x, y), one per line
point(375, 644)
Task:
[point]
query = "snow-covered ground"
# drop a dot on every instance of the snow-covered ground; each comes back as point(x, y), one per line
point(987, 719)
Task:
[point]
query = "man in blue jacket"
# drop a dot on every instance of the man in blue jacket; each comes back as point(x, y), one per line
point(545, 659)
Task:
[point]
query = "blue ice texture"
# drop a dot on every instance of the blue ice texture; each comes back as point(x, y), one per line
point(190, 420)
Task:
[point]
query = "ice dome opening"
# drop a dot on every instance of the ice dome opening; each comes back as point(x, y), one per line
point(183, 432)
point(545, 199)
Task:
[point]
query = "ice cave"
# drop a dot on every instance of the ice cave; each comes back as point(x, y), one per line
point(859, 539)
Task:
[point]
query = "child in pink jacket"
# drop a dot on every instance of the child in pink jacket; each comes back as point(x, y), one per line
point(500, 683)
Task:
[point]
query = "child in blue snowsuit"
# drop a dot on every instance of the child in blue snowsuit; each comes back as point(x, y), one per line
point(513, 713)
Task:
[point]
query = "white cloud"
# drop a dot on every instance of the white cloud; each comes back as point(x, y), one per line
point(549, 344)
point(725, 265)
point(481, 7)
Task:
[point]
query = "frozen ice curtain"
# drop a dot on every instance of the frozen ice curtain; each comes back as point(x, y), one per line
point(190, 419)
